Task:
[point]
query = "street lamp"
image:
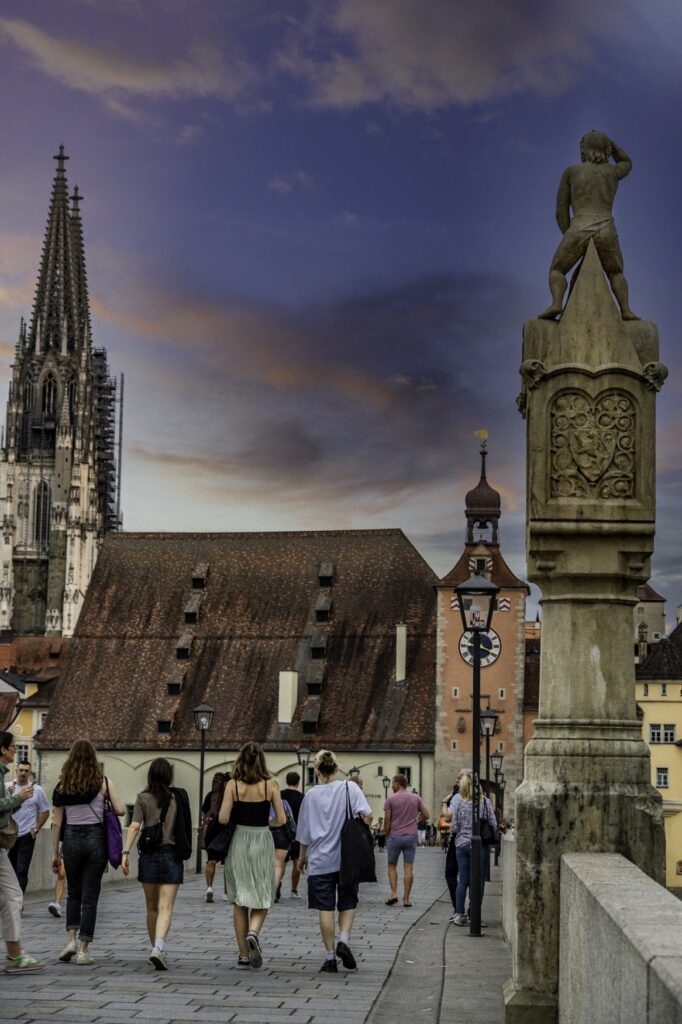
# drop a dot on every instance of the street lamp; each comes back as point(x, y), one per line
point(488, 720)
point(386, 783)
point(303, 756)
point(496, 760)
point(354, 772)
point(477, 599)
point(203, 716)
point(502, 783)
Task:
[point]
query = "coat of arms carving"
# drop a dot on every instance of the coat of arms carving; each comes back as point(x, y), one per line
point(592, 446)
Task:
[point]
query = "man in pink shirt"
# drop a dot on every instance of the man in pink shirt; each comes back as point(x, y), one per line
point(402, 811)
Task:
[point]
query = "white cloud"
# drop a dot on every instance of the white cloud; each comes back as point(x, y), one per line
point(204, 72)
point(429, 54)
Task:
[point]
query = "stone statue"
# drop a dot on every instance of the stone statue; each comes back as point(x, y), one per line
point(590, 188)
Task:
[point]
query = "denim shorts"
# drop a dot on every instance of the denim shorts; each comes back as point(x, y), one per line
point(161, 867)
point(407, 845)
point(325, 892)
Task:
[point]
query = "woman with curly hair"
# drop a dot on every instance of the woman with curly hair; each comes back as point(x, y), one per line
point(250, 862)
point(160, 870)
point(78, 801)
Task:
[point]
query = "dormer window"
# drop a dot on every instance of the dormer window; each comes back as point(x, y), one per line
point(314, 689)
point(326, 573)
point(164, 727)
point(199, 576)
point(174, 689)
point(192, 610)
point(323, 606)
point(183, 647)
point(318, 646)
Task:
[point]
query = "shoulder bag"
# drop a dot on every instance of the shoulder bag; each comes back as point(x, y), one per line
point(219, 837)
point(112, 827)
point(151, 836)
point(357, 849)
point(490, 835)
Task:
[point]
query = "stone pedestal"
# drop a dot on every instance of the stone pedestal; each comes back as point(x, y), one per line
point(589, 390)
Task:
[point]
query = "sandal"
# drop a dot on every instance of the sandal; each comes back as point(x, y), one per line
point(393, 900)
point(407, 904)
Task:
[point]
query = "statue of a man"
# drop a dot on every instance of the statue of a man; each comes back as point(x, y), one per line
point(589, 188)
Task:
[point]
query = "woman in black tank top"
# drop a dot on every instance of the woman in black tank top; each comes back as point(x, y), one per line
point(250, 862)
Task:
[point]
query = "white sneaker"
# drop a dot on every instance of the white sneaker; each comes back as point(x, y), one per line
point(83, 959)
point(295, 894)
point(209, 895)
point(68, 952)
point(460, 919)
point(158, 958)
point(54, 909)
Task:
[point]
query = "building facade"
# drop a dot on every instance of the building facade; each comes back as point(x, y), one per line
point(502, 670)
point(58, 474)
point(302, 639)
point(659, 701)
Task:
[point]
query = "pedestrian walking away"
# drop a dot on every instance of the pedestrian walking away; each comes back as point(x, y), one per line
point(29, 818)
point(209, 810)
point(11, 896)
point(250, 861)
point(451, 855)
point(320, 821)
point(294, 798)
point(462, 817)
point(78, 800)
point(402, 812)
point(162, 821)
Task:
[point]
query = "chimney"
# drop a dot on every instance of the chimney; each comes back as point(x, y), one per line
point(400, 651)
point(288, 696)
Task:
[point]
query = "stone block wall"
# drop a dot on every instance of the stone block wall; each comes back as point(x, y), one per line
point(620, 946)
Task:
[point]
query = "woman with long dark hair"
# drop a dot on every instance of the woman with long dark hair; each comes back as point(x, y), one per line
point(78, 801)
point(250, 862)
point(209, 810)
point(160, 868)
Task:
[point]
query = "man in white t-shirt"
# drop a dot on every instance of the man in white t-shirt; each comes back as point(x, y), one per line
point(320, 820)
point(29, 818)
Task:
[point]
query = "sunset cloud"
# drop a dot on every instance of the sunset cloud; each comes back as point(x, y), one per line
point(204, 71)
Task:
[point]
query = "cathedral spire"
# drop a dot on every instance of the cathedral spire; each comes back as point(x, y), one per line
point(80, 273)
point(56, 299)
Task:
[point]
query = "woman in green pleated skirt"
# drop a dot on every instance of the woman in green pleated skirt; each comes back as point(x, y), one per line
point(250, 862)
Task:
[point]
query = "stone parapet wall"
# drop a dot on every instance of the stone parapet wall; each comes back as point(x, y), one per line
point(508, 854)
point(620, 945)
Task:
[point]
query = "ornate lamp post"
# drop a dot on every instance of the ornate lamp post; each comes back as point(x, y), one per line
point(477, 599)
point(203, 716)
point(488, 720)
point(496, 760)
point(303, 757)
point(386, 783)
point(354, 772)
point(502, 783)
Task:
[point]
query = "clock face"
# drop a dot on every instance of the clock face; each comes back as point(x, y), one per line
point(490, 647)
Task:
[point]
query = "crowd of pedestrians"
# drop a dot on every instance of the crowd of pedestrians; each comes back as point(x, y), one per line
point(268, 829)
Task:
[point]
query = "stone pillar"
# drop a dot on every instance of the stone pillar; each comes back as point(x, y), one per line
point(589, 392)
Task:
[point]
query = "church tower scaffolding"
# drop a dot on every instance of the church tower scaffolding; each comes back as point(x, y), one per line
point(58, 475)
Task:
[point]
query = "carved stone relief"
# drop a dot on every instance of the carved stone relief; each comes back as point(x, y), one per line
point(592, 446)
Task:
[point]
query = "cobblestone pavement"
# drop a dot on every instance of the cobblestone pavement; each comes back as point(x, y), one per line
point(203, 983)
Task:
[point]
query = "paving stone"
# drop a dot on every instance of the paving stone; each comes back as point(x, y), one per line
point(203, 983)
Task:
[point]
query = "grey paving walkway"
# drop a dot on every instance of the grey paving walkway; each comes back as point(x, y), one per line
point(203, 984)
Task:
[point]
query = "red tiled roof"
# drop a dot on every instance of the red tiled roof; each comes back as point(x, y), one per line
point(35, 658)
point(501, 573)
point(257, 617)
point(664, 660)
point(645, 592)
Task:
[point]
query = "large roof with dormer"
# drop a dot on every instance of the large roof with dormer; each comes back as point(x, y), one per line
point(259, 612)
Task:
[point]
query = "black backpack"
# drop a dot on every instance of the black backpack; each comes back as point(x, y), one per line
point(357, 849)
point(151, 836)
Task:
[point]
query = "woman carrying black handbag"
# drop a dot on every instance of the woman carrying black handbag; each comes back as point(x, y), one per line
point(161, 817)
point(321, 821)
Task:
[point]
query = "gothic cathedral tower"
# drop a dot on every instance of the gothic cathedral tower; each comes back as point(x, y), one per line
point(503, 654)
point(58, 480)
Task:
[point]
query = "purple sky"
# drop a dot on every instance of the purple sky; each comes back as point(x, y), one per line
point(314, 230)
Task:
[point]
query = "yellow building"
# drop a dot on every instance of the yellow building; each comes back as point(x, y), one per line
point(659, 698)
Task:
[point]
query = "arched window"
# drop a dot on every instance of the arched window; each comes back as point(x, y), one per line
point(49, 396)
point(72, 392)
point(28, 394)
point(41, 514)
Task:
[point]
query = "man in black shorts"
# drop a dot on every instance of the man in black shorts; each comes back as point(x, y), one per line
point(294, 798)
